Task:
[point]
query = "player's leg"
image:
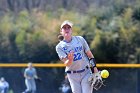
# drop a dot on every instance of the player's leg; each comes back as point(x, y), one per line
point(6, 90)
point(75, 82)
point(86, 88)
point(2, 91)
point(33, 86)
point(28, 85)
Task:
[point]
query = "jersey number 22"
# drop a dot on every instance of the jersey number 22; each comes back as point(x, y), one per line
point(77, 56)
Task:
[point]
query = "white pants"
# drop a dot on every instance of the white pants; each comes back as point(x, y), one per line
point(30, 84)
point(79, 82)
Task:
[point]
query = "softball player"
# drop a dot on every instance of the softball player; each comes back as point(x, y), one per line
point(4, 85)
point(30, 76)
point(75, 53)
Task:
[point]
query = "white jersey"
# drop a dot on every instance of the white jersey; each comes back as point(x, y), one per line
point(79, 46)
point(4, 85)
point(30, 72)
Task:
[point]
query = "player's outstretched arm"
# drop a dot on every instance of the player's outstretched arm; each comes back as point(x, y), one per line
point(95, 79)
point(92, 62)
point(68, 61)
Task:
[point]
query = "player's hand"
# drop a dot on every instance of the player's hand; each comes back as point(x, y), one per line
point(70, 56)
point(97, 75)
point(70, 59)
point(38, 79)
point(96, 80)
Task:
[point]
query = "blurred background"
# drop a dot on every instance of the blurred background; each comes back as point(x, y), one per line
point(29, 29)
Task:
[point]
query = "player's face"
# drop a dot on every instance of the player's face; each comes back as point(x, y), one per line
point(30, 65)
point(66, 30)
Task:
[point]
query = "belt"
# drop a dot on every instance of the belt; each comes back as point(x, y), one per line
point(78, 71)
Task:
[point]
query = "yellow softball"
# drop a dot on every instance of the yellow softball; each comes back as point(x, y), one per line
point(104, 73)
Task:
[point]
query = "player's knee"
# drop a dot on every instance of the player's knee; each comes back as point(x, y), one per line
point(28, 91)
point(33, 90)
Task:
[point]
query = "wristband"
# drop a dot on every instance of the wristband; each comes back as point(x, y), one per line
point(92, 62)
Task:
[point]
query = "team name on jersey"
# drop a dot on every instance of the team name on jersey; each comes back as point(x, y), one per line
point(77, 52)
point(75, 49)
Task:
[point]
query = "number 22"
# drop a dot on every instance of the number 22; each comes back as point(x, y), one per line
point(77, 56)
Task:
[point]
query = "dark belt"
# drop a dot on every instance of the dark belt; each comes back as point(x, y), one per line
point(78, 71)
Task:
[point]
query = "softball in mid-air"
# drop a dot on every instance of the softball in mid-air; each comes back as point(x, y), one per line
point(104, 73)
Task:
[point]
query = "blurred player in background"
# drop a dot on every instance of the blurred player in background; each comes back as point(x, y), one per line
point(30, 75)
point(65, 87)
point(75, 53)
point(4, 85)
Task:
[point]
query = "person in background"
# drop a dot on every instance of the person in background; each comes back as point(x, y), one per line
point(4, 85)
point(30, 75)
point(65, 87)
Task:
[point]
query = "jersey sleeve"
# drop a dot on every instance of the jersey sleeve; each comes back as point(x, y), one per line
point(85, 45)
point(60, 52)
point(25, 72)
